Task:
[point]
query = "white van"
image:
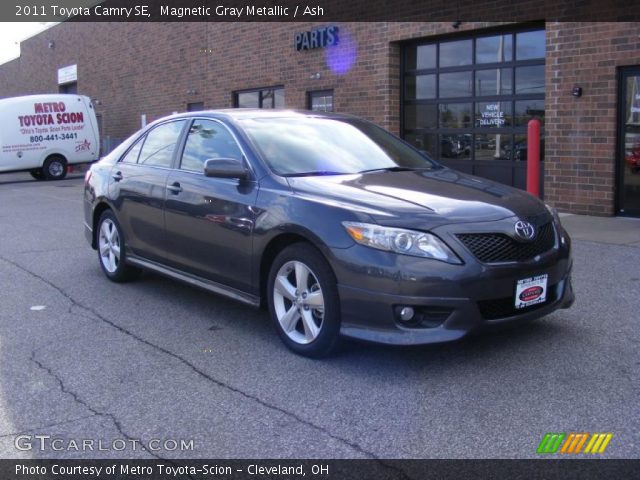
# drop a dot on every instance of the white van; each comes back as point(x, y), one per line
point(43, 134)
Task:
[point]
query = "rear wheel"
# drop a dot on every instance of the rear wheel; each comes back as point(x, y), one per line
point(55, 167)
point(111, 250)
point(303, 300)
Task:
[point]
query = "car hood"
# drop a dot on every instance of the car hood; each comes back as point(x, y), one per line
point(438, 196)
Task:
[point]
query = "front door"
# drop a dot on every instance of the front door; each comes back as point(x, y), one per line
point(628, 152)
point(209, 221)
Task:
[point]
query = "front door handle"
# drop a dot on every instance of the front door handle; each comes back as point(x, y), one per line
point(174, 188)
point(117, 176)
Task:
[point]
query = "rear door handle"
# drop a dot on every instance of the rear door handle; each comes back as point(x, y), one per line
point(174, 188)
point(117, 176)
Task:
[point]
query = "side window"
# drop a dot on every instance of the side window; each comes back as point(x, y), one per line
point(132, 154)
point(160, 143)
point(208, 139)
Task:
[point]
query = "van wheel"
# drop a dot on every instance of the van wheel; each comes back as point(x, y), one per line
point(303, 300)
point(55, 167)
point(37, 174)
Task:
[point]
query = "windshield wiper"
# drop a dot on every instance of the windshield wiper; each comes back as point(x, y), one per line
point(391, 169)
point(315, 173)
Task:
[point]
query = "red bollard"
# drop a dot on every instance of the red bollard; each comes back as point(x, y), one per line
point(533, 157)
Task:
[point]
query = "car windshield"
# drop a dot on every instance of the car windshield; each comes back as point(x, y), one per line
point(297, 146)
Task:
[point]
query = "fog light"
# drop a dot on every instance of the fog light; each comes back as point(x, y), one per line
point(406, 314)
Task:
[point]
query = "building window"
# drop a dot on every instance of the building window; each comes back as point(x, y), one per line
point(195, 106)
point(69, 88)
point(320, 101)
point(467, 101)
point(272, 97)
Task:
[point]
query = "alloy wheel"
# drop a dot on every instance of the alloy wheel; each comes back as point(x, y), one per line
point(298, 302)
point(109, 245)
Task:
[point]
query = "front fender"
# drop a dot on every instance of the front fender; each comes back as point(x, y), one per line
point(282, 212)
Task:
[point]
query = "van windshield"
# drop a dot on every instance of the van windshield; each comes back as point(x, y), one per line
point(297, 146)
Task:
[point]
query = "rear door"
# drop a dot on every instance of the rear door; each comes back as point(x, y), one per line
point(209, 221)
point(138, 185)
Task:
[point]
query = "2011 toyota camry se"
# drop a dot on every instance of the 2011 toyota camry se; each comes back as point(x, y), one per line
point(334, 224)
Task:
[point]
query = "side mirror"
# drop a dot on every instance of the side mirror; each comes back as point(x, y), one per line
point(225, 168)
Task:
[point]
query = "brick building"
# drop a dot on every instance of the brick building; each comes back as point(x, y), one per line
point(462, 92)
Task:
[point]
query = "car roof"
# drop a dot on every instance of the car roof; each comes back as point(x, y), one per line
point(256, 113)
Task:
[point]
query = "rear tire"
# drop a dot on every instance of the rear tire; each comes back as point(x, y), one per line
point(303, 301)
point(37, 174)
point(55, 167)
point(112, 251)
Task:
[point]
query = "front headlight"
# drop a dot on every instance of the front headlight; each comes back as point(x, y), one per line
point(399, 240)
point(562, 233)
point(554, 214)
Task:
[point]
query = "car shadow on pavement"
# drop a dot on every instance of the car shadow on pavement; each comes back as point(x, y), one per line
point(484, 344)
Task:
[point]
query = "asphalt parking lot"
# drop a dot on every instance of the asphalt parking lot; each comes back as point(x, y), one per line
point(83, 358)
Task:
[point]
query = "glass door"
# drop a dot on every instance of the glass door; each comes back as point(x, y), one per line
point(629, 143)
point(467, 101)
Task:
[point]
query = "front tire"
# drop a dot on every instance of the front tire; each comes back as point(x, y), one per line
point(303, 301)
point(111, 250)
point(55, 167)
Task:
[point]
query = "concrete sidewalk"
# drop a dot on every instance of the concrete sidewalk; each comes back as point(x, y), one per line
point(612, 230)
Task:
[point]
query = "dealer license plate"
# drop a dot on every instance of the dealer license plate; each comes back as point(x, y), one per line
point(531, 291)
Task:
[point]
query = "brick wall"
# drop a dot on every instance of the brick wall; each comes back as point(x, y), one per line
point(581, 132)
point(149, 68)
point(10, 78)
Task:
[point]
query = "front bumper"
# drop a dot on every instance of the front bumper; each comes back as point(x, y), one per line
point(88, 234)
point(455, 299)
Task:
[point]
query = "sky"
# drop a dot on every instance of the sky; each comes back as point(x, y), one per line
point(12, 33)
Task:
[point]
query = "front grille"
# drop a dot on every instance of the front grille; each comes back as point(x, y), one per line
point(504, 307)
point(498, 247)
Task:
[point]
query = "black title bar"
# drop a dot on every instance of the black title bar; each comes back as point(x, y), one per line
point(317, 11)
point(317, 469)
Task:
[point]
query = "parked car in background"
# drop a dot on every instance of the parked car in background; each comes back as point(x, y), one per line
point(632, 158)
point(335, 225)
point(519, 150)
point(450, 148)
point(44, 134)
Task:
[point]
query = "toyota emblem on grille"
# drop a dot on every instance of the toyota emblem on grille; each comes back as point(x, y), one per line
point(524, 230)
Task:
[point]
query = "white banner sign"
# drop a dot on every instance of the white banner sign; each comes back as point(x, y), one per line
point(67, 74)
